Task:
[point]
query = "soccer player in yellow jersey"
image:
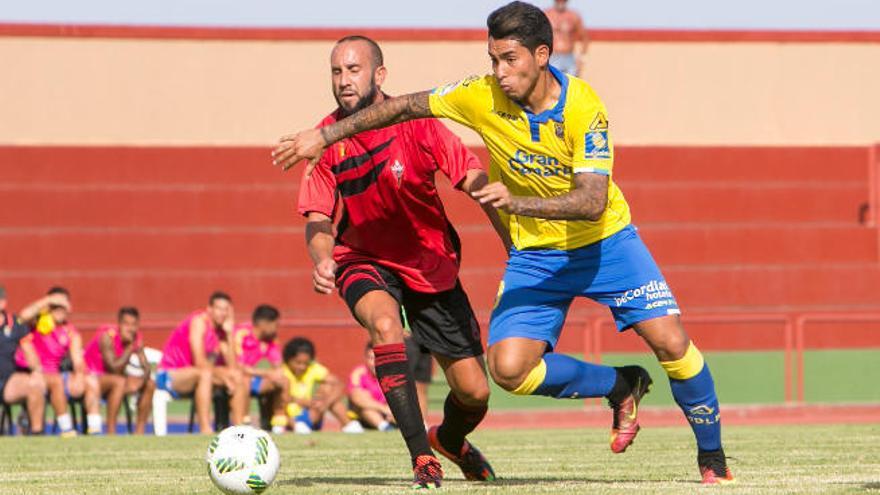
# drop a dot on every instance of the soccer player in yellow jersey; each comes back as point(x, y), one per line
point(548, 135)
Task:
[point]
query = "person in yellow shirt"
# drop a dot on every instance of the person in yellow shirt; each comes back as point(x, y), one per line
point(551, 150)
point(314, 391)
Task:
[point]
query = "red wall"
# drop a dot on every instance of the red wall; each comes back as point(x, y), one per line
point(734, 229)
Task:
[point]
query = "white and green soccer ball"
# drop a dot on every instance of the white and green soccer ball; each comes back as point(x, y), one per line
point(242, 460)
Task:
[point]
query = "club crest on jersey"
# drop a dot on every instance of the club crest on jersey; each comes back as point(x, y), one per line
point(559, 127)
point(397, 170)
point(342, 150)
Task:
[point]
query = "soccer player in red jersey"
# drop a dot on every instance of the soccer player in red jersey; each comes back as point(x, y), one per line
point(395, 247)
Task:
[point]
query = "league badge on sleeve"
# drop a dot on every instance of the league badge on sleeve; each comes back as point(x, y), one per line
point(596, 145)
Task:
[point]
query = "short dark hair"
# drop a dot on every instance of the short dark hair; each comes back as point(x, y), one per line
point(376, 56)
point(298, 345)
point(265, 312)
point(218, 294)
point(128, 310)
point(58, 290)
point(522, 22)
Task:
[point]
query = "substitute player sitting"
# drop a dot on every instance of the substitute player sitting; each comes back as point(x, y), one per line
point(18, 386)
point(41, 352)
point(258, 340)
point(395, 247)
point(551, 165)
point(188, 364)
point(365, 397)
point(107, 355)
point(314, 391)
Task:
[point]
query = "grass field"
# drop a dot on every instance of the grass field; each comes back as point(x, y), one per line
point(767, 460)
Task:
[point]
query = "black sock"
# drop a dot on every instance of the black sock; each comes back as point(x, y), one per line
point(395, 378)
point(621, 388)
point(458, 421)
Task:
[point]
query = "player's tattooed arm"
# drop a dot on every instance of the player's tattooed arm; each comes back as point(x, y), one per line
point(586, 201)
point(389, 112)
point(309, 145)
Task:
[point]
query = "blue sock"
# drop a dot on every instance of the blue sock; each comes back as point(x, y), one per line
point(569, 378)
point(697, 399)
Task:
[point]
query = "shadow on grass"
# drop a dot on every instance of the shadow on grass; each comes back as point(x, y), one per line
point(307, 481)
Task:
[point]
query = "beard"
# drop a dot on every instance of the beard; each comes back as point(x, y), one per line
point(362, 103)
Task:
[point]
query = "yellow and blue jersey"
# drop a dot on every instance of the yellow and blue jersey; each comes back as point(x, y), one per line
point(302, 387)
point(538, 154)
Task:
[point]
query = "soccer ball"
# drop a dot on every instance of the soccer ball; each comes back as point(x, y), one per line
point(242, 460)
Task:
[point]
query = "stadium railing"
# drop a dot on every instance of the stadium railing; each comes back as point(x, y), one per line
point(800, 336)
point(593, 338)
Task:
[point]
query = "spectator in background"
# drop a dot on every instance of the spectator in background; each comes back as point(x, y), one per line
point(258, 340)
point(106, 356)
point(314, 391)
point(189, 360)
point(41, 352)
point(365, 396)
point(18, 386)
point(422, 368)
point(568, 31)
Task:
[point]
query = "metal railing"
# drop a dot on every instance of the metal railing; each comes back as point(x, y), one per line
point(593, 337)
point(800, 340)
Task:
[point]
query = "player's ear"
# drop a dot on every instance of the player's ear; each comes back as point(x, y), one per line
point(542, 55)
point(380, 74)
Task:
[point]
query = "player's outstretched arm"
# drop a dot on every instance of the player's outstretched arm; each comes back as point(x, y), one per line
point(309, 145)
point(586, 201)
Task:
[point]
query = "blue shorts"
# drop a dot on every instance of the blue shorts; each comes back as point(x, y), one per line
point(540, 284)
point(306, 418)
point(163, 382)
point(256, 382)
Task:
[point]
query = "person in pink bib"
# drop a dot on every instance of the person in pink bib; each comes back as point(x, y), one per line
point(254, 342)
point(107, 355)
point(365, 396)
point(41, 352)
point(190, 366)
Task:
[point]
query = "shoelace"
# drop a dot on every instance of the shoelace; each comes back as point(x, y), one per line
point(427, 470)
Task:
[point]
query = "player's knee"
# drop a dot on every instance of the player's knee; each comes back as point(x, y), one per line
point(37, 384)
point(474, 396)
point(205, 375)
point(149, 385)
point(671, 345)
point(507, 373)
point(118, 382)
point(386, 329)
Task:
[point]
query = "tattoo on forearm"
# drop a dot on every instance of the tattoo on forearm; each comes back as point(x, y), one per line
point(586, 202)
point(391, 111)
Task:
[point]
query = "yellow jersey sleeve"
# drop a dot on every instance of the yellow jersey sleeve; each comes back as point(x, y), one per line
point(592, 148)
point(317, 373)
point(464, 101)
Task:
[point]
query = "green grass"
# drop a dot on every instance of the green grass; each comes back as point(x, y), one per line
point(740, 378)
point(768, 460)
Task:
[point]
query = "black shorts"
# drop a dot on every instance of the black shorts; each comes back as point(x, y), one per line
point(419, 360)
point(442, 322)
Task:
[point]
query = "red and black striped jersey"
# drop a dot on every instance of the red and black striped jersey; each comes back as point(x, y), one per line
point(391, 213)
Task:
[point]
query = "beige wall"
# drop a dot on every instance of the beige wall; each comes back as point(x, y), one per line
point(105, 91)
